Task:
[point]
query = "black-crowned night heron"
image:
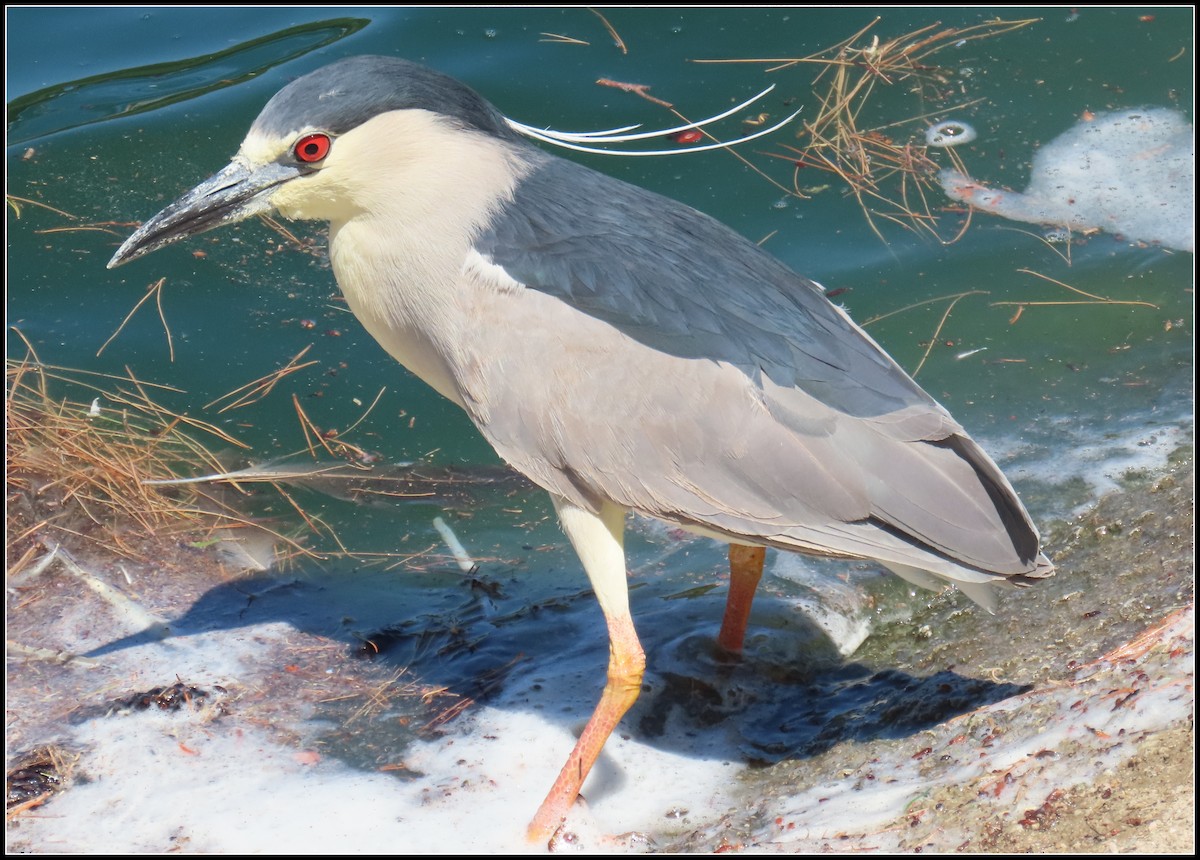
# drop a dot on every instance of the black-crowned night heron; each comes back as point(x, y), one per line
point(623, 351)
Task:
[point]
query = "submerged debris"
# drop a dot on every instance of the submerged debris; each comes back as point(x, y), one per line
point(170, 698)
point(37, 775)
point(173, 698)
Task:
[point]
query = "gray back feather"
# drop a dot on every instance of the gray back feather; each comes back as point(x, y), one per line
point(682, 282)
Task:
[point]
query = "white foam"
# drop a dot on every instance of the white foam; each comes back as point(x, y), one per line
point(1100, 460)
point(1131, 173)
point(840, 607)
point(183, 780)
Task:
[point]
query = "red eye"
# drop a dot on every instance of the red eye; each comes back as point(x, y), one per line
point(312, 147)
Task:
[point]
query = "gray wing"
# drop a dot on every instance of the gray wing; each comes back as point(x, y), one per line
point(795, 429)
point(684, 283)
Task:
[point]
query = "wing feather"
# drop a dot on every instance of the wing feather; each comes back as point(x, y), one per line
point(667, 364)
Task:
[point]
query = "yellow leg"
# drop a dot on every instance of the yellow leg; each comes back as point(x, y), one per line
point(599, 542)
point(745, 570)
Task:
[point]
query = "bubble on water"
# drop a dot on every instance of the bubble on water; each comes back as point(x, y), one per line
point(951, 132)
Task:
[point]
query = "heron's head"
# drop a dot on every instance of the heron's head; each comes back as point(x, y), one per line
point(355, 136)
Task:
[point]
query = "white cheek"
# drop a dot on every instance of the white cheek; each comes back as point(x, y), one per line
point(317, 197)
point(257, 149)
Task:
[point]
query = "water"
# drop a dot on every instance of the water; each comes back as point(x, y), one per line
point(115, 112)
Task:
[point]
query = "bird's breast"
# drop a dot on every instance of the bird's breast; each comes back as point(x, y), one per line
point(403, 297)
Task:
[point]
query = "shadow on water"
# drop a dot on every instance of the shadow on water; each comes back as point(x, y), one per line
point(791, 696)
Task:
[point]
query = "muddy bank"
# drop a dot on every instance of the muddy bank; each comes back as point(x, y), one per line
point(1092, 754)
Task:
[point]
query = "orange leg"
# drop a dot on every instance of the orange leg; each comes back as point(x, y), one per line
point(745, 570)
point(598, 539)
point(626, 665)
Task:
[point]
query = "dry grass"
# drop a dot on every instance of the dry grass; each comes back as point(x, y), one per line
point(106, 466)
point(77, 470)
point(891, 179)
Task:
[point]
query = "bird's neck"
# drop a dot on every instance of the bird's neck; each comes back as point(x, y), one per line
point(401, 265)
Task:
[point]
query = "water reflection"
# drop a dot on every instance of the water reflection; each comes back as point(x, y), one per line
point(146, 88)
